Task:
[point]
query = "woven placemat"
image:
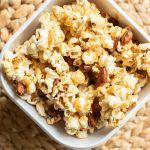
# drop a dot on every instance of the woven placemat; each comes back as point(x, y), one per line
point(17, 132)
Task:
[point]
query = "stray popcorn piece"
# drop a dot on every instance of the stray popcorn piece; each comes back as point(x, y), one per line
point(79, 67)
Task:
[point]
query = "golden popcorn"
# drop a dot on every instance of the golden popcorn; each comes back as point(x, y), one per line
point(89, 57)
point(79, 67)
point(78, 77)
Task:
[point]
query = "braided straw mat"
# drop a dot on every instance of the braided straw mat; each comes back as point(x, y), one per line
point(17, 132)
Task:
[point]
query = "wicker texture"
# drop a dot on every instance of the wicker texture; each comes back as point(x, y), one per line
point(17, 132)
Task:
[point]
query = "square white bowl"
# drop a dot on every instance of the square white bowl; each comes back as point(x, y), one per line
point(57, 131)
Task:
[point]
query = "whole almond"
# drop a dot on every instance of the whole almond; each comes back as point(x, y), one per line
point(126, 37)
point(91, 120)
point(102, 77)
point(96, 108)
point(56, 81)
point(53, 112)
point(20, 88)
point(86, 68)
point(116, 40)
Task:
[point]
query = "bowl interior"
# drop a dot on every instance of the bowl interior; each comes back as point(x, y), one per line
point(57, 131)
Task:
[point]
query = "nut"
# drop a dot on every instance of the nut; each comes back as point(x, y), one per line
point(96, 108)
point(69, 61)
point(86, 68)
point(20, 88)
point(126, 37)
point(91, 120)
point(56, 81)
point(102, 77)
point(52, 112)
point(113, 21)
point(116, 40)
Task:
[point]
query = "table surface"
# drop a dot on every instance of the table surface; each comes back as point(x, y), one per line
point(17, 132)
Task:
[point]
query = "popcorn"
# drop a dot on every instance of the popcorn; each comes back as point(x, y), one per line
point(55, 36)
point(46, 84)
point(120, 91)
point(40, 108)
point(83, 122)
point(45, 20)
point(44, 56)
point(58, 62)
point(82, 134)
point(89, 57)
point(144, 46)
point(117, 114)
point(75, 52)
point(64, 49)
point(80, 104)
point(78, 77)
point(147, 57)
point(30, 86)
point(43, 41)
point(58, 12)
point(109, 62)
point(113, 101)
point(115, 31)
point(72, 124)
point(130, 81)
point(8, 55)
point(80, 68)
point(72, 90)
point(108, 42)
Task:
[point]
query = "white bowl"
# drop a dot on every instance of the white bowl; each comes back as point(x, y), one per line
point(57, 131)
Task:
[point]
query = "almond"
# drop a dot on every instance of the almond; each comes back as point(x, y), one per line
point(116, 40)
point(96, 108)
point(126, 37)
point(56, 81)
point(69, 61)
point(86, 68)
point(91, 120)
point(52, 112)
point(20, 88)
point(102, 77)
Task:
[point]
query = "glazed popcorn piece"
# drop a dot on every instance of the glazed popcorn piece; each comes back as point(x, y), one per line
point(79, 67)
